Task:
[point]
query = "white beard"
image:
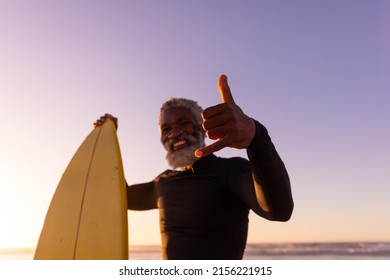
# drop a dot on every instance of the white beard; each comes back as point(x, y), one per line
point(184, 158)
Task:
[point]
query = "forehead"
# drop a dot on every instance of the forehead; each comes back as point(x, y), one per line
point(176, 114)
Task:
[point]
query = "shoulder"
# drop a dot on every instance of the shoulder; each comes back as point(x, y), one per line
point(166, 174)
point(239, 163)
point(234, 164)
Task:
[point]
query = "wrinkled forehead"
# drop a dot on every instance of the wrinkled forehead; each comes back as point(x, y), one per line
point(176, 114)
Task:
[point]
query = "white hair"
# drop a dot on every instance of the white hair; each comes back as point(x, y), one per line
point(185, 103)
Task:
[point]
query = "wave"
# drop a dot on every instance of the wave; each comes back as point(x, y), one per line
point(270, 251)
point(320, 250)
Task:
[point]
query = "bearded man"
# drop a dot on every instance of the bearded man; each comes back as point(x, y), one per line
point(204, 200)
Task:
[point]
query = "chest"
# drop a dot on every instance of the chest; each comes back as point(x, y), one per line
point(194, 199)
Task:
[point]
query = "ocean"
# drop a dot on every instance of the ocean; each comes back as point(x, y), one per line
point(273, 251)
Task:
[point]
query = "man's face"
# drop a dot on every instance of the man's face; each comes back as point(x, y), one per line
point(181, 135)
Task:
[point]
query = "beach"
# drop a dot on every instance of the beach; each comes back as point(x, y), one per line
point(273, 251)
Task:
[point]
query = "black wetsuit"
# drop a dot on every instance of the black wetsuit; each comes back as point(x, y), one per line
point(204, 210)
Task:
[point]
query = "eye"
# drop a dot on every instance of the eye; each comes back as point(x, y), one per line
point(185, 123)
point(164, 130)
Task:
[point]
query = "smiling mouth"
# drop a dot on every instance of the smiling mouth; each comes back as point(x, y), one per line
point(179, 145)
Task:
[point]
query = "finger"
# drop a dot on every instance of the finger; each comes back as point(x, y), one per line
point(97, 123)
point(224, 90)
point(216, 133)
point(108, 116)
point(222, 109)
point(216, 146)
point(213, 111)
point(212, 123)
point(104, 118)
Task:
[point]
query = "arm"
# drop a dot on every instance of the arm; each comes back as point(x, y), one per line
point(270, 178)
point(262, 183)
point(141, 197)
point(265, 187)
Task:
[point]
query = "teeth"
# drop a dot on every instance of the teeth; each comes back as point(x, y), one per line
point(182, 142)
point(179, 143)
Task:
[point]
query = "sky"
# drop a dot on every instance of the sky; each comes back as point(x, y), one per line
point(315, 73)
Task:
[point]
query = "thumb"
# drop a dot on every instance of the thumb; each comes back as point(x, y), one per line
point(224, 90)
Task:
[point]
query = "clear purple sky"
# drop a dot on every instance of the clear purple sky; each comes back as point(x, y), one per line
point(315, 73)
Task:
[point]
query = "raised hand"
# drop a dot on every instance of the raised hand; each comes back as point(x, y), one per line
point(226, 123)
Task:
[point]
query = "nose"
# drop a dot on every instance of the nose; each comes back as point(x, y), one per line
point(175, 132)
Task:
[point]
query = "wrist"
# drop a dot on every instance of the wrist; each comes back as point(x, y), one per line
point(251, 132)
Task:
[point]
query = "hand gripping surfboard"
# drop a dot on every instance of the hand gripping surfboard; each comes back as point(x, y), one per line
point(87, 217)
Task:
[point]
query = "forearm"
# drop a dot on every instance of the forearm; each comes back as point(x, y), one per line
point(271, 180)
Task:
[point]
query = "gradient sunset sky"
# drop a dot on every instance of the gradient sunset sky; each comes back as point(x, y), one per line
point(315, 73)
